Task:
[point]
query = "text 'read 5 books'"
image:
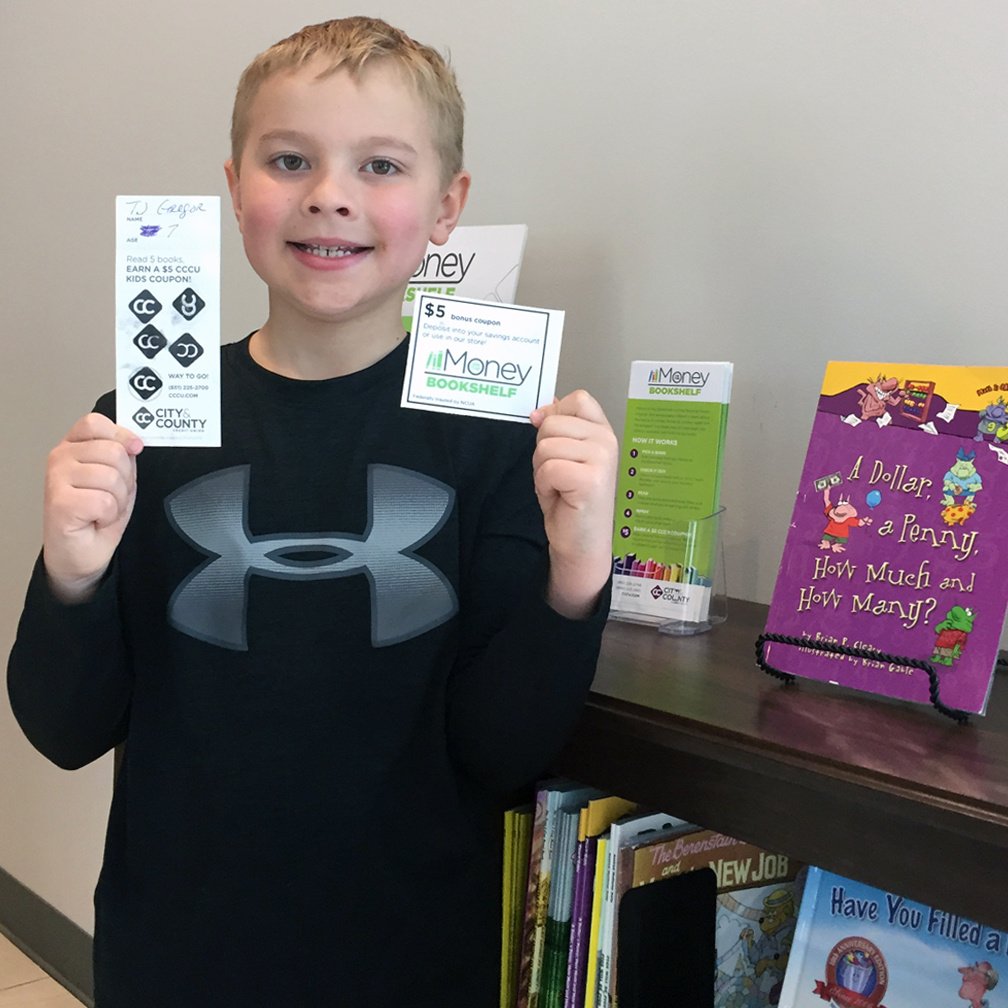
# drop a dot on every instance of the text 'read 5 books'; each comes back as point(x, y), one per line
point(897, 538)
point(668, 490)
point(478, 261)
point(860, 947)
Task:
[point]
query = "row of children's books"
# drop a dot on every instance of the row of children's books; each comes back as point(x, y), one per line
point(606, 904)
point(591, 881)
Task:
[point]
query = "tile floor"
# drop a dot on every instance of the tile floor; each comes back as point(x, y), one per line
point(25, 985)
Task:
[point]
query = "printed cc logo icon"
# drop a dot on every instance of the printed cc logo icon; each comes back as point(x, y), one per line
point(189, 304)
point(145, 306)
point(145, 383)
point(143, 418)
point(149, 341)
point(185, 350)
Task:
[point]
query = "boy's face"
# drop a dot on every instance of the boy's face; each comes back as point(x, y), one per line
point(337, 193)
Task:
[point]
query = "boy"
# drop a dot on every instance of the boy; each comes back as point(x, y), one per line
point(333, 645)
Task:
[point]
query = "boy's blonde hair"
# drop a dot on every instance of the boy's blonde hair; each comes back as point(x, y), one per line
point(350, 44)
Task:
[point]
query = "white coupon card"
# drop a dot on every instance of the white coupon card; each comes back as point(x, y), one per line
point(481, 358)
point(167, 292)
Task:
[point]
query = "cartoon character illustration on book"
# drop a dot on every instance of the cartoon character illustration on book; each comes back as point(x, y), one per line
point(769, 952)
point(877, 395)
point(956, 514)
point(993, 422)
point(843, 517)
point(738, 992)
point(953, 631)
point(977, 980)
point(961, 481)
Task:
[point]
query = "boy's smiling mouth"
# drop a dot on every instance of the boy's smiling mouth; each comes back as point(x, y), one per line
point(328, 251)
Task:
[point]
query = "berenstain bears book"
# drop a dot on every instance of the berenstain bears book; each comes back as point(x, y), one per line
point(860, 947)
point(897, 537)
point(757, 898)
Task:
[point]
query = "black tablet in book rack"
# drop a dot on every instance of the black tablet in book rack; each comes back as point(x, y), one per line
point(666, 942)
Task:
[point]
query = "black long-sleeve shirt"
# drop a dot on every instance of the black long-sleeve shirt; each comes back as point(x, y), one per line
point(326, 649)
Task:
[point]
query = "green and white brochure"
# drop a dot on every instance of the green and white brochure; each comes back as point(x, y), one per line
point(668, 487)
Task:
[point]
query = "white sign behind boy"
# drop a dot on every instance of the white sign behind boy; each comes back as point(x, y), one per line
point(479, 261)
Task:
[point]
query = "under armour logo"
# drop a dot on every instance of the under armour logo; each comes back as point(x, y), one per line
point(409, 596)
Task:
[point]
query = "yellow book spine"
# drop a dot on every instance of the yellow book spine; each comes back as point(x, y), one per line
point(506, 905)
point(591, 980)
point(603, 812)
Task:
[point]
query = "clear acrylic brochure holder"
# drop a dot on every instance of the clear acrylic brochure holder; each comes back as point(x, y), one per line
point(678, 599)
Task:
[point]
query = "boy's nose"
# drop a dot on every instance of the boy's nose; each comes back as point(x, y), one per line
point(329, 196)
point(343, 211)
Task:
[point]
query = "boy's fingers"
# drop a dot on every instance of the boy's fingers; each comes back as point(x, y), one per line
point(93, 452)
point(577, 442)
point(96, 427)
point(576, 404)
point(574, 428)
point(115, 476)
point(91, 476)
point(90, 465)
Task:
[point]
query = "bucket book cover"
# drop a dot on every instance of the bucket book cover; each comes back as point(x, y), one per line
point(897, 538)
point(860, 947)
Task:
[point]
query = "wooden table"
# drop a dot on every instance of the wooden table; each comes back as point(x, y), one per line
point(891, 793)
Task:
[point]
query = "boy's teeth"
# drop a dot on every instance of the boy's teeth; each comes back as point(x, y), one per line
point(328, 251)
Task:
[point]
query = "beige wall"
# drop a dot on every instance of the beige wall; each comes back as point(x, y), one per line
point(773, 182)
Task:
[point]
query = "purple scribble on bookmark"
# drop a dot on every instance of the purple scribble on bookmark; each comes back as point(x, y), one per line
point(149, 230)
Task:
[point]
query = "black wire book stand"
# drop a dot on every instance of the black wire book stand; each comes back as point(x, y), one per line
point(870, 653)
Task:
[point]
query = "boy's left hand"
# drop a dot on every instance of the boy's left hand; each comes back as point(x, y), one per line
point(574, 467)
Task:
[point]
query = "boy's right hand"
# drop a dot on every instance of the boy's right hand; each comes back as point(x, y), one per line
point(90, 488)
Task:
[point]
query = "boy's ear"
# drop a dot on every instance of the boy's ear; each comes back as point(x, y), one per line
point(452, 202)
point(231, 174)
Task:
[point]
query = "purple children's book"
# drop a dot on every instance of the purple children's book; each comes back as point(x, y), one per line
point(897, 542)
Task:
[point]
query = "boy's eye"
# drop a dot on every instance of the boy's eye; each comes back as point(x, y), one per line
point(381, 166)
point(290, 162)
